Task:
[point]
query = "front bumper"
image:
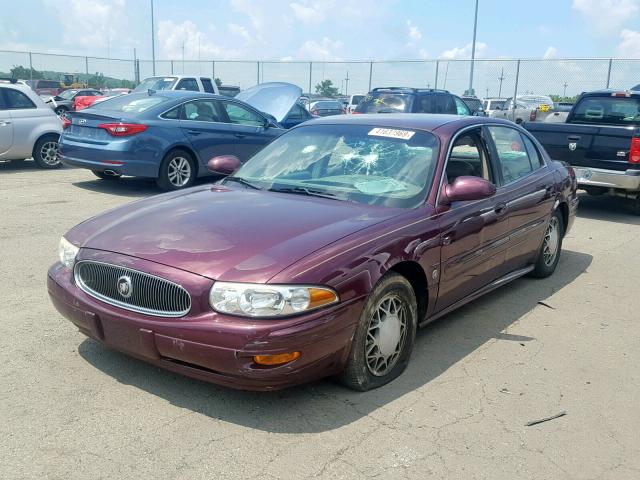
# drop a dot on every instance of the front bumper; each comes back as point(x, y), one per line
point(214, 347)
point(597, 177)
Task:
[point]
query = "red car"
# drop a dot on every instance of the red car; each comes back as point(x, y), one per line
point(323, 253)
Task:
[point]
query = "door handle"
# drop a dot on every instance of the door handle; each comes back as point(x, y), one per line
point(500, 209)
point(239, 135)
point(446, 240)
point(194, 132)
point(4, 124)
point(573, 138)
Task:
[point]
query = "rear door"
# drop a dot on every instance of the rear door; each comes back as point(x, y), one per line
point(526, 187)
point(204, 123)
point(248, 128)
point(6, 126)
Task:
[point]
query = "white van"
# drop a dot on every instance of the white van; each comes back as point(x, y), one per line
point(354, 101)
point(193, 83)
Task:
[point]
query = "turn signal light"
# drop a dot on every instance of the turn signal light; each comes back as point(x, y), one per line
point(634, 151)
point(278, 359)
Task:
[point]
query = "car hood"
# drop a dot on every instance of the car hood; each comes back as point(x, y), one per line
point(225, 233)
point(274, 98)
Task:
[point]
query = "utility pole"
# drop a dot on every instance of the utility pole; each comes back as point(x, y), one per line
point(183, 57)
point(346, 84)
point(501, 78)
point(565, 85)
point(473, 50)
point(153, 42)
point(487, 88)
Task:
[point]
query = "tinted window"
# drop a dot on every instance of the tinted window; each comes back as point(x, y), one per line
point(378, 166)
point(202, 111)
point(17, 100)
point(461, 107)
point(607, 110)
point(384, 103)
point(240, 115)
point(512, 153)
point(435, 103)
point(2, 105)
point(327, 105)
point(188, 84)
point(207, 85)
point(356, 99)
point(297, 113)
point(173, 114)
point(133, 103)
point(534, 155)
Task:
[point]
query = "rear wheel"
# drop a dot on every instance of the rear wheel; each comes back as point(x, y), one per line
point(551, 247)
point(384, 338)
point(61, 111)
point(45, 152)
point(105, 176)
point(178, 170)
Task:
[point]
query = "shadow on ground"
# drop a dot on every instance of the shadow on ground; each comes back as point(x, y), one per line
point(325, 405)
point(130, 186)
point(610, 209)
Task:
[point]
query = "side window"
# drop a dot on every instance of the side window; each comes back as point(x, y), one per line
point(202, 111)
point(513, 159)
point(17, 100)
point(188, 84)
point(534, 155)
point(207, 85)
point(469, 157)
point(173, 114)
point(461, 107)
point(240, 115)
point(2, 105)
point(445, 104)
point(297, 113)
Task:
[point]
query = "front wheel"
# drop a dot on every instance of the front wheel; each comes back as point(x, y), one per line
point(549, 254)
point(60, 111)
point(45, 152)
point(385, 334)
point(178, 170)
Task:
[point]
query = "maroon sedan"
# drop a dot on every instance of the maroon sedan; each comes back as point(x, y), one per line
point(323, 253)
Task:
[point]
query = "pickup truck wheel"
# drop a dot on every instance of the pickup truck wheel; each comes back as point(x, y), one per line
point(551, 247)
point(45, 152)
point(385, 334)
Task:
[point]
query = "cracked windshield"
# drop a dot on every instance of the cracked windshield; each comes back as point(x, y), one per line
point(359, 163)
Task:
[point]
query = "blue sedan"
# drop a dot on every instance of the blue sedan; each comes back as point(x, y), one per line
point(171, 135)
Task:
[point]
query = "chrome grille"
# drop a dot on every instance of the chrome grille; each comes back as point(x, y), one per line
point(149, 294)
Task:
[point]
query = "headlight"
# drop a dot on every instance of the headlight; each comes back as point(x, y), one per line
point(263, 300)
point(67, 252)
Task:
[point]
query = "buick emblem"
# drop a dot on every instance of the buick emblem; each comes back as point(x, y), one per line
point(573, 146)
point(82, 121)
point(125, 289)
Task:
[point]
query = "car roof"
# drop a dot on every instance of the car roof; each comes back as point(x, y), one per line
point(409, 90)
point(609, 92)
point(418, 121)
point(180, 94)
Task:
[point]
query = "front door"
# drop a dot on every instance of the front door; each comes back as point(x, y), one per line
point(6, 126)
point(474, 233)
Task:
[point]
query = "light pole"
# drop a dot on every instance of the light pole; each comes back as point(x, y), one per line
point(153, 42)
point(501, 78)
point(565, 85)
point(473, 50)
point(346, 84)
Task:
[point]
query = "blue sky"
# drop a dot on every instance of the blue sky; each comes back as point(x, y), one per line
point(325, 30)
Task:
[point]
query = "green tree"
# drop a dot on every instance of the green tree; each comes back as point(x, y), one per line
point(18, 71)
point(96, 81)
point(326, 88)
point(218, 81)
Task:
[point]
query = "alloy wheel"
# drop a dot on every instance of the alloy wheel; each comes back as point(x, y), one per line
point(551, 241)
point(49, 153)
point(179, 171)
point(386, 335)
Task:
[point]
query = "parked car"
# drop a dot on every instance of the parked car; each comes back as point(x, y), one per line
point(492, 104)
point(28, 127)
point(322, 254)
point(325, 108)
point(82, 102)
point(63, 103)
point(527, 108)
point(475, 105)
point(354, 101)
point(267, 97)
point(601, 139)
point(412, 100)
point(228, 90)
point(170, 135)
point(46, 87)
point(192, 83)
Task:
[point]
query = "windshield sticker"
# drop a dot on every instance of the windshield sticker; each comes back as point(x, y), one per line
point(392, 133)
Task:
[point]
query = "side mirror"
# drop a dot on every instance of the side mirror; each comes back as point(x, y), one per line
point(224, 164)
point(467, 188)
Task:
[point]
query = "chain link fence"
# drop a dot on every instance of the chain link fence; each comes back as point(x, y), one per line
point(492, 78)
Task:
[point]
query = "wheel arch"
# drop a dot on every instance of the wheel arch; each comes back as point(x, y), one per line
point(563, 207)
point(186, 148)
point(417, 277)
point(41, 136)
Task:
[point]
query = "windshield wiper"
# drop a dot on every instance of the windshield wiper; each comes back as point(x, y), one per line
point(241, 181)
point(306, 191)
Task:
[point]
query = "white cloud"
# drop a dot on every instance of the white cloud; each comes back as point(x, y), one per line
point(630, 45)
point(607, 15)
point(550, 52)
point(415, 35)
point(288, 58)
point(423, 54)
point(327, 49)
point(240, 31)
point(460, 53)
point(173, 36)
point(309, 12)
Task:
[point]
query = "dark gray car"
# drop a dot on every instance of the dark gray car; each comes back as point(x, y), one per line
point(63, 102)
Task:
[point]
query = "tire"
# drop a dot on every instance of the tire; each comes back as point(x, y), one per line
point(45, 152)
point(104, 176)
point(392, 293)
point(174, 173)
point(60, 111)
point(547, 261)
point(518, 121)
point(635, 206)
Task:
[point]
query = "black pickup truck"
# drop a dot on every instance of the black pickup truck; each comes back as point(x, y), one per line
point(601, 140)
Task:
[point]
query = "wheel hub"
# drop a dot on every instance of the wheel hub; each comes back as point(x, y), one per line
point(389, 335)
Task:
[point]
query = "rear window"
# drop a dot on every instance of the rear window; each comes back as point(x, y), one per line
point(384, 103)
point(133, 103)
point(327, 106)
point(156, 83)
point(356, 99)
point(607, 110)
point(473, 103)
